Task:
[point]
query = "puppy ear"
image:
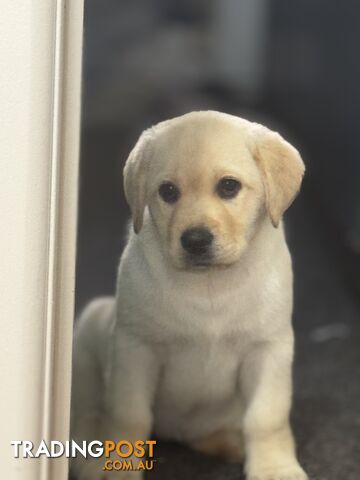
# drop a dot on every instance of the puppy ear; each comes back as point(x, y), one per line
point(135, 173)
point(282, 169)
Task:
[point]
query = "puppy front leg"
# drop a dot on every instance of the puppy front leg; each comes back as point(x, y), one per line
point(267, 387)
point(130, 390)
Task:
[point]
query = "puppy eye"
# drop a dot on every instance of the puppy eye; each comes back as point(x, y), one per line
point(169, 192)
point(228, 188)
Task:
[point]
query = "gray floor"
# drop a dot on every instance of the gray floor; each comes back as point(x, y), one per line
point(326, 413)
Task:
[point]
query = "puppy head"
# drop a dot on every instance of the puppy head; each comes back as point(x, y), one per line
point(207, 179)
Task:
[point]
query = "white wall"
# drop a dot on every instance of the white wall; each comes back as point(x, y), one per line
point(40, 48)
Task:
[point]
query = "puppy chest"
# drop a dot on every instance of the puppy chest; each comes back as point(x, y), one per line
point(198, 375)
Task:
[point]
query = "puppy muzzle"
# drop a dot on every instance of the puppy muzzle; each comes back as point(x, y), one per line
point(197, 244)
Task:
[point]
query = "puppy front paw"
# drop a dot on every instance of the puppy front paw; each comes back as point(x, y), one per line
point(291, 472)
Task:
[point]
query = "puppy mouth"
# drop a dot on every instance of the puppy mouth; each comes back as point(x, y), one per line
point(201, 260)
point(206, 261)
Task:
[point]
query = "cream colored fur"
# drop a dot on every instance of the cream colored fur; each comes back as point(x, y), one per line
point(201, 355)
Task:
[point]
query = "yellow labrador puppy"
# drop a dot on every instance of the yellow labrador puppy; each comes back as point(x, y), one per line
point(198, 344)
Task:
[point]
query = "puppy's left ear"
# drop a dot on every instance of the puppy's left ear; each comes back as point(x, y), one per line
point(282, 169)
point(135, 173)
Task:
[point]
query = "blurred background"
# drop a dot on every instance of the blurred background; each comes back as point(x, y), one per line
point(295, 67)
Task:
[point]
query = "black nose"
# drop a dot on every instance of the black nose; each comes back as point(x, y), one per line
point(197, 240)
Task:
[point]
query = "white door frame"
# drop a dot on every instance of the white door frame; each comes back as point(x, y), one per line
point(40, 91)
